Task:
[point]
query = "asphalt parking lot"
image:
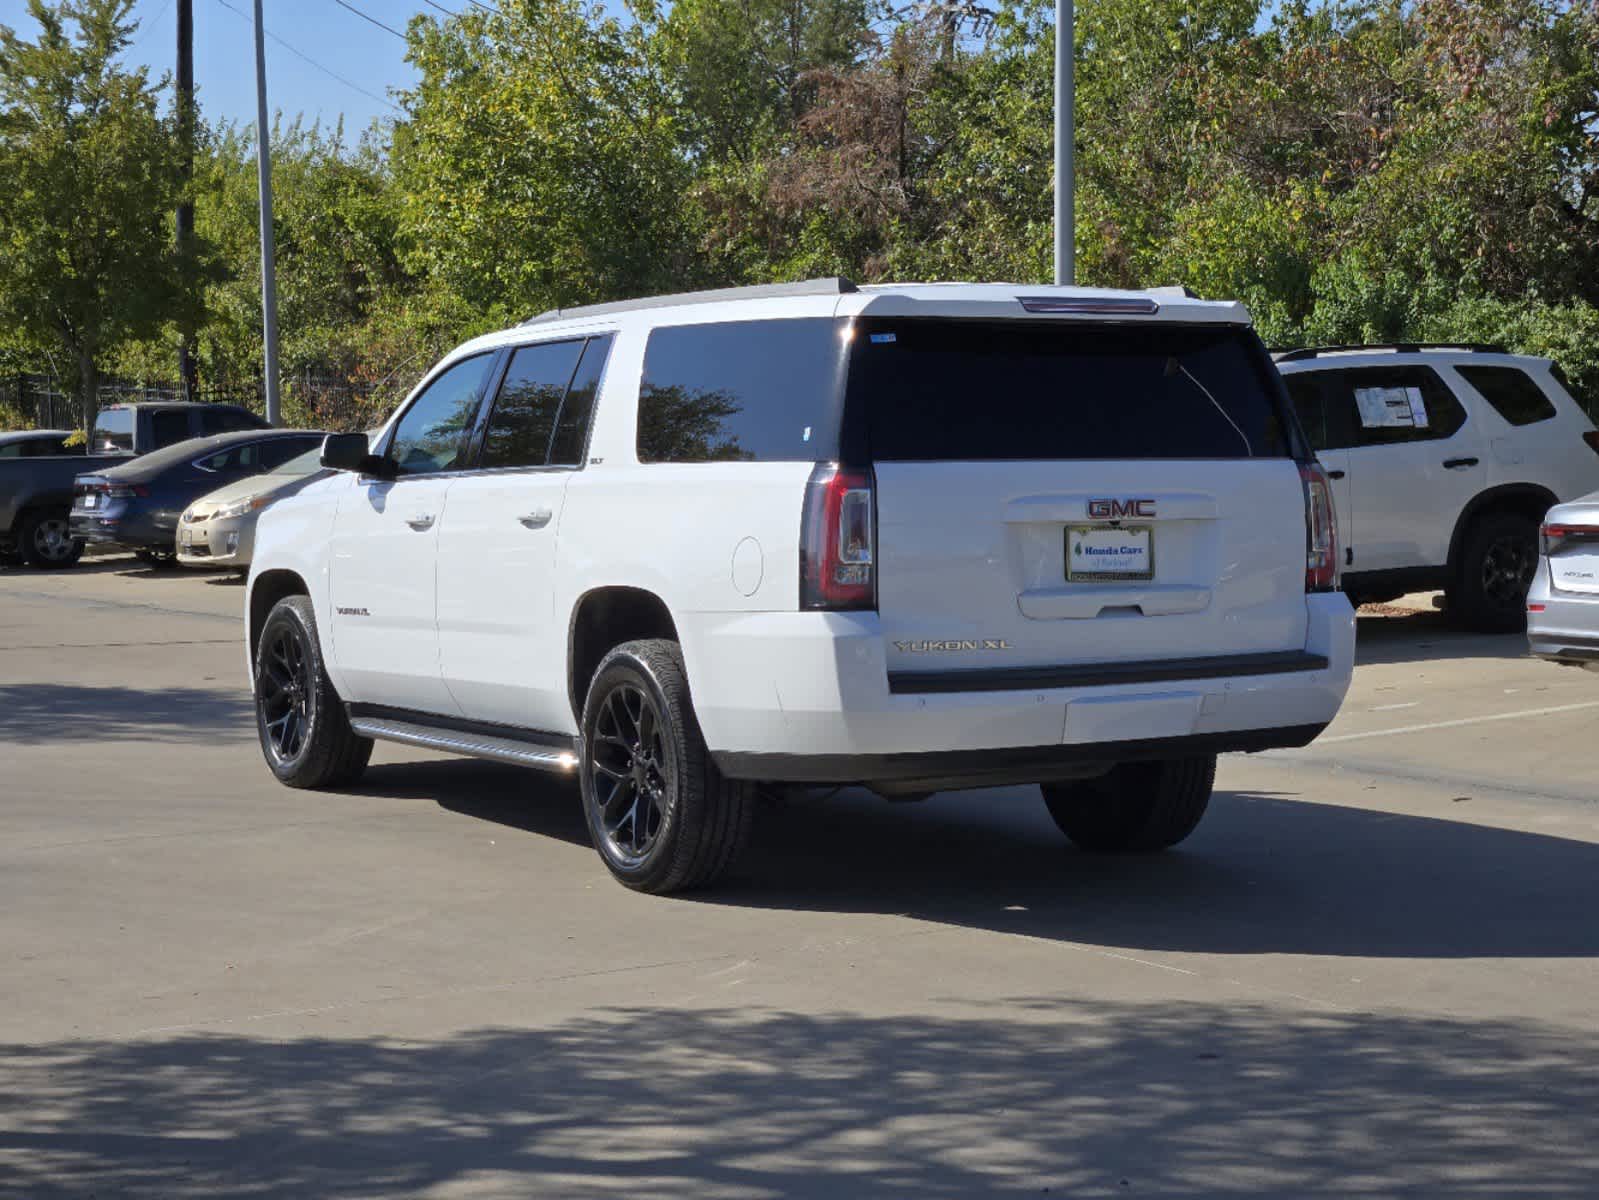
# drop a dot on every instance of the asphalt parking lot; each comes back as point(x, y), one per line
point(1371, 972)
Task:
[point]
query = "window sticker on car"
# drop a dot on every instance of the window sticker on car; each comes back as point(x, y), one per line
point(1391, 408)
point(883, 339)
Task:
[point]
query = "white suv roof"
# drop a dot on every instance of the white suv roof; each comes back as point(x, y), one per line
point(839, 297)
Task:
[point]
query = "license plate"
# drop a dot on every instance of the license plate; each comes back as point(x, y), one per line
point(89, 500)
point(1098, 554)
point(185, 537)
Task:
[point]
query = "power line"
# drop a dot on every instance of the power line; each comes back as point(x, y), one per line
point(304, 57)
point(441, 8)
point(370, 20)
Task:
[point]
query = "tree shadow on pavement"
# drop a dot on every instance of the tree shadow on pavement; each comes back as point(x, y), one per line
point(1045, 1093)
point(36, 713)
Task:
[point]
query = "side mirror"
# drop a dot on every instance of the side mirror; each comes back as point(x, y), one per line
point(349, 452)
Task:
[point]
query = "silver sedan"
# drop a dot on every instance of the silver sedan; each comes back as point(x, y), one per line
point(218, 530)
point(1563, 606)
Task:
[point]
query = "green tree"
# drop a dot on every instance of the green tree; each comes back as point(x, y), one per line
point(92, 173)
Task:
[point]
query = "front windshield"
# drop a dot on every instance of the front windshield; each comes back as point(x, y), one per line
point(301, 464)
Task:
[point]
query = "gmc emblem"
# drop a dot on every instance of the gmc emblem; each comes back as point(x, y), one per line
point(1115, 510)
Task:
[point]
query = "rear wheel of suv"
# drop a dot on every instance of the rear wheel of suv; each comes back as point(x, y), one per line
point(305, 733)
point(1497, 563)
point(1135, 807)
point(660, 813)
point(45, 541)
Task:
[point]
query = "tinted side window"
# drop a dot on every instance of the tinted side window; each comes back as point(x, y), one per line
point(1389, 405)
point(744, 391)
point(1513, 394)
point(14, 450)
point(523, 421)
point(275, 453)
point(433, 433)
point(113, 431)
point(572, 428)
point(236, 460)
point(1323, 409)
point(169, 427)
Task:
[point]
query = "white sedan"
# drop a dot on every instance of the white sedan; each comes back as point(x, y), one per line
point(1563, 606)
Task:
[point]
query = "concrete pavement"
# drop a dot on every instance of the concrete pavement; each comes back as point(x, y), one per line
point(1370, 972)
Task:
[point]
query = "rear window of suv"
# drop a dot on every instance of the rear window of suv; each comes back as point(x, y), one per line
point(934, 390)
point(1511, 391)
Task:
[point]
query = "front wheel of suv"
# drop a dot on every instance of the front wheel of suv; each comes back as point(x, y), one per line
point(1135, 807)
point(658, 810)
point(305, 734)
point(1497, 563)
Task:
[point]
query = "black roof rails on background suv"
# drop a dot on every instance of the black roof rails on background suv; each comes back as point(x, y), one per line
point(831, 285)
point(1303, 352)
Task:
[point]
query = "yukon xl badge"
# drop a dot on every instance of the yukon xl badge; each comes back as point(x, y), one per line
point(948, 645)
point(1116, 510)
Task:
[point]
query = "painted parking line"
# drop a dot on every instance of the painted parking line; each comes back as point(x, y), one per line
point(1509, 716)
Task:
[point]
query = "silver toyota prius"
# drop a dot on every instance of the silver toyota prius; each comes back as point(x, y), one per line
point(1563, 606)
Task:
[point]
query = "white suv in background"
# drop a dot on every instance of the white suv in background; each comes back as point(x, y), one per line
point(913, 537)
point(1443, 460)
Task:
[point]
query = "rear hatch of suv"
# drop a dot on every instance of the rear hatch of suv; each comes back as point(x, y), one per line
point(1055, 495)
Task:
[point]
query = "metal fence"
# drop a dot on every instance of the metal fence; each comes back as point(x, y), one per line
point(40, 400)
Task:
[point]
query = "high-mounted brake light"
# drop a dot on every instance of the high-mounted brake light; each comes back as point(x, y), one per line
point(1321, 530)
point(838, 540)
point(1092, 305)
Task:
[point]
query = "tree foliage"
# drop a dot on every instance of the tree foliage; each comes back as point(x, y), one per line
point(91, 174)
point(1354, 170)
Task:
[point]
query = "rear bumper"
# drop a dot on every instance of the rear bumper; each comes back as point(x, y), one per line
point(1567, 630)
point(807, 697)
point(135, 528)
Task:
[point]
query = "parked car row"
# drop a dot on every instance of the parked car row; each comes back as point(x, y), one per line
point(38, 481)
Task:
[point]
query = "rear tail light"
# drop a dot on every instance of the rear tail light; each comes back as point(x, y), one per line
point(1592, 438)
point(125, 491)
point(1321, 530)
point(1558, 536)
point(838, 540)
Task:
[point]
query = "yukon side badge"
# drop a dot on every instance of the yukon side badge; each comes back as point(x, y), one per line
point(951, 645)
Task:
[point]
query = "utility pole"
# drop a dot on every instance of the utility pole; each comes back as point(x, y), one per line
point(186, 118)
point(1065, 137)
point(269, 283)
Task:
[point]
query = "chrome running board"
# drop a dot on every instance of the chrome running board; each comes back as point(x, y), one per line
point(471, 744)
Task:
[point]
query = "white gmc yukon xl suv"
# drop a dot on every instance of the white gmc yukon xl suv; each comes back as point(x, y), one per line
point(912, 537)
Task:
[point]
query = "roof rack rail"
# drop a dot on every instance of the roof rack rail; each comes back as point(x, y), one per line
point(1303, 352)
point(832, 285)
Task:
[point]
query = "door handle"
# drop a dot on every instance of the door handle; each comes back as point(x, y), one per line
point(1335, 474)
point(537, 519)
point(1452, 464)
point(421, 522)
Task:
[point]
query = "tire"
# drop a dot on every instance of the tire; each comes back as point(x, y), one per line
point(1497, 562)
point(157, 560)
point(305, 733)
point(43, 539)
point(660, 814)
point(1136, 807)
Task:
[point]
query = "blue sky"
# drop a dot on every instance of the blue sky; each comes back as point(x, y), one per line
point(369, 60)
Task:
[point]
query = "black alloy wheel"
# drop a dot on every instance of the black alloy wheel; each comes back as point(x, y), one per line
point(1507, 570)
point(660, 814)
point(286, 693)
point(305, 732)
point(630, 772)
